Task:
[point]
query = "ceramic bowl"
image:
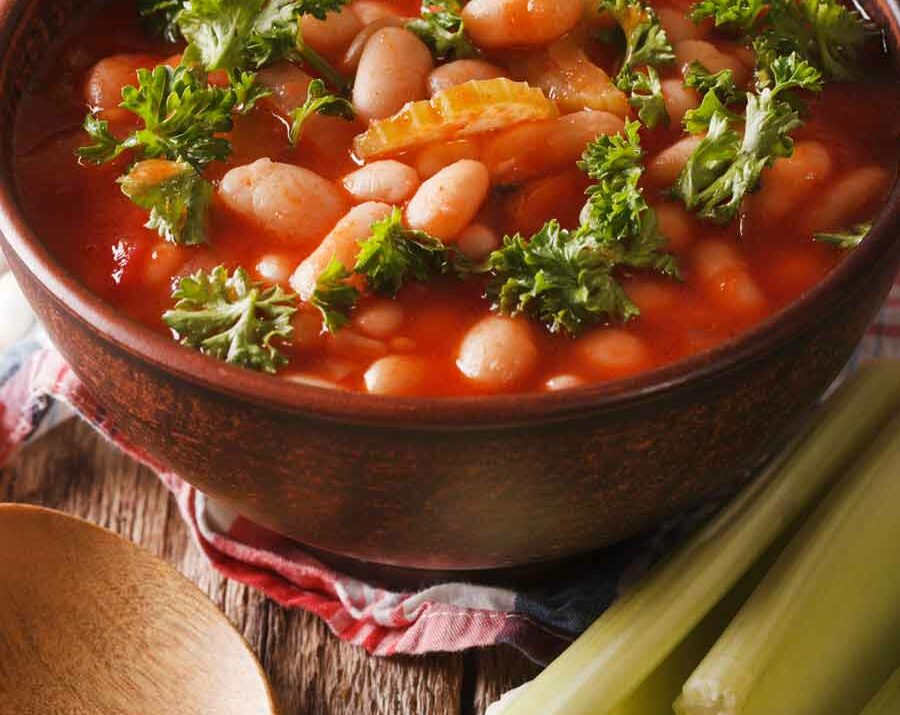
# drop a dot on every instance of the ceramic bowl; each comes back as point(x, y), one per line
point(442, 484)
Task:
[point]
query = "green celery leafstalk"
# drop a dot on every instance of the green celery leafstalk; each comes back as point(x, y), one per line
point(656, 694)
point(822, 631)
point(886, 700)
point(632, 638)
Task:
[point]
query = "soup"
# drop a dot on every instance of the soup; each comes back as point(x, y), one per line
point(504, 196)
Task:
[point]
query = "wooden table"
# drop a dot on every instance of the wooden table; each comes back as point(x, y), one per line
point(312, 672)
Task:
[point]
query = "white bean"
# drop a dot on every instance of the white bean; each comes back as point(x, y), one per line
point(332, 36)
point(350, 61)
point(289, 85)
point(354, 346)
point(679, 26)
point(714, 59)
point(534, 148)
point(392, 71)
point(388, 181)
point(841, 203)
point(498, 352)
point(434, 157)
point(676, 224)
point(512, 23)
point(664, 168)
point(397, 375)
point(164, 262)
point(790, 182)
point(614, 352)
point(477, 241)
point(563, 382)
point(447, 202)
point(725, 279)
point(293, 203)
point(380, 319)
point(105, 80)
point(274, 268)
point(369, 11)
point(341, 243)
point(459, 72)
point(678, 98)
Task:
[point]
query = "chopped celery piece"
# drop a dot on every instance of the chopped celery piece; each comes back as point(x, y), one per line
point(887, 700)
point(820, 633)
point(631, 639)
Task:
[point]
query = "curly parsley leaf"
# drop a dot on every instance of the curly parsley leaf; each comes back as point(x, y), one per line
point(726, 167)
point(161, 17)
point(848, 239)
point(232, 318)
point(616, 214)
point(722, 83)
point(826, 33)
point(559, 278)
point(334, 296)
point(182, 119)
point(218, 31)
point(104, 147)
point(733, 14)
point(441, 27)
point(566, 279)
point(176, 196)
point(233, 34)
point(247, 91)
point(318, 101)
point(393, 255)
point(646, 43)
point(645, 95)
point(647, 46)
point(718, 91)
point(274, 32)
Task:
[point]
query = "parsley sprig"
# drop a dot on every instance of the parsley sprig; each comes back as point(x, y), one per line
point(826, 33)
point(334, 296)
point(566, 279)
point(250, 34)
point(726, 166)
point(848, 239)
point(647, 47)
point(161, 17)
point(318, 101)
point(233, 318)
point(389, 258)
point(441, 27)
point(732, 14)
point(718, 90)
point(182, 116)
point(393, 255)
point(176, 196)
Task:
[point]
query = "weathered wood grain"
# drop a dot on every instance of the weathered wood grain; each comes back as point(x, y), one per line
point(312, 672)
point(499, 670)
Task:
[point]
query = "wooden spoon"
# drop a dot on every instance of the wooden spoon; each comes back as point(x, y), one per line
point(90, 623)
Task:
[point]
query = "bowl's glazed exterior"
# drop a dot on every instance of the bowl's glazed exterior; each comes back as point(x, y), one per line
point(447, 484)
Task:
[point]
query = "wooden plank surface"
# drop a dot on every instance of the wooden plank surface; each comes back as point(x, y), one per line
point(312, 672)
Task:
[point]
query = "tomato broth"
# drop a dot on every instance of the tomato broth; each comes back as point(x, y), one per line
point(732, 276)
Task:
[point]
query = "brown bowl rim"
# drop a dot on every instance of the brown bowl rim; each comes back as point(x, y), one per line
point(287, 396)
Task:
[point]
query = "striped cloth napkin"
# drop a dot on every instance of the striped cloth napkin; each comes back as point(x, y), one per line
point(38, 390)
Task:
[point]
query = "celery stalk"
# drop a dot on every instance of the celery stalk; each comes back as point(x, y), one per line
point(656, 694)
point(628, 642)
point(886, 700)
point(822, 631)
